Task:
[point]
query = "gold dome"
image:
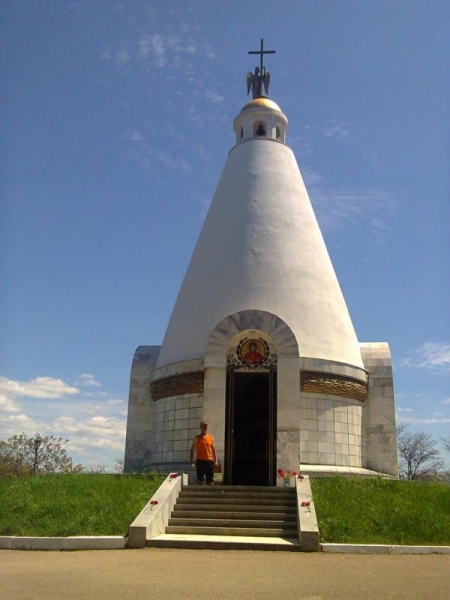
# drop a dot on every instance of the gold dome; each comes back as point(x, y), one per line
point(262, 102)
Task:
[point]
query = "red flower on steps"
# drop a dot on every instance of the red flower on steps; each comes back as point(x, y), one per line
point(287, 474)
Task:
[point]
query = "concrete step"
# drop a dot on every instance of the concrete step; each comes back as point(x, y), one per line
point(227, 522)
point(218, 542)
point(225, 500)
point(242, 488)
point(232, 517)
point(236, 493)
point(283, 531)
point(235, 513)
point(232, 508)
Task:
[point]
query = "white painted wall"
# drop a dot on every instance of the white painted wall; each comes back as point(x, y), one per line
point(261, 248)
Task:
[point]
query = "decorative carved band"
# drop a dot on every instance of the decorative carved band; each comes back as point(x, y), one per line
point(176, 385)
point(319, 383)
point(335, 385)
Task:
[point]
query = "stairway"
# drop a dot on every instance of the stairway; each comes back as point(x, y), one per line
point(233, 517)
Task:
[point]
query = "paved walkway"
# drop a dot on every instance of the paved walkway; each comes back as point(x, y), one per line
point(154, 574)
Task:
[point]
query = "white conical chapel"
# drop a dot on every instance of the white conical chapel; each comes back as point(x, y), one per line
point(260, 342)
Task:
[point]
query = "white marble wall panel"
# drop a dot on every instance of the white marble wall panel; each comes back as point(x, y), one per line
point(214, 398)
point(328, 366)
point(288, 454)
point(178, 368)
point(380, 449)
point(333, 437)
point(140, 409)
point(176, 422)
point(313, 429)
point(288, 417)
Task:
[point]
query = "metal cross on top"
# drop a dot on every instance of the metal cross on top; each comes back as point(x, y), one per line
point(260, 77)
point(261, 52)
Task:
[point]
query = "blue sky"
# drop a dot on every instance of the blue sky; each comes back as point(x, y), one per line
point(117, 120)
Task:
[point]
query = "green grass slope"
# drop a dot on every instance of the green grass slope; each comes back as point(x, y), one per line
point(76, 504)
point(349, 510)
point(380, 511)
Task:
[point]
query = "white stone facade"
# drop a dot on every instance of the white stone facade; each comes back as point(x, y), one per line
point(261, 270)
point(261, 248)
point(175, 424)
point(317, 433)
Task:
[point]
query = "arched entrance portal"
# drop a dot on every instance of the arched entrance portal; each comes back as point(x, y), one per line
point(250, 429)
point(251, 383)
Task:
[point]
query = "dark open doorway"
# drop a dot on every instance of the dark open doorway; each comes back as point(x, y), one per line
point(250, 428)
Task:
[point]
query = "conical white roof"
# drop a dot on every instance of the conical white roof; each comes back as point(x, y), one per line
point(261, 248)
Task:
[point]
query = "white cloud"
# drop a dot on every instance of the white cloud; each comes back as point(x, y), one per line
point(425, 421)
point(115, 402)
point(214, 97)
point(335, 130)
point(136, 136)
point(312, 178)
point(204, 204)
point(94, 432)
point(176, 135)
point(147, 156)
point(208, 51)
point(302, 145)
point(89, 380)
point(41, 387)
point(8, 404)
point(446, 401)
point(94, 423)
point(122, 56)
point(431, 355)
point(95, 395)
point(203, 153)
point(330, 129)
point(90, 409)
point(339, 207)
point(177, 164)
point(374, 160)
point(106, 54)
point(404, 409)
point(18, 423)
point(157, 44)
point(145, 46)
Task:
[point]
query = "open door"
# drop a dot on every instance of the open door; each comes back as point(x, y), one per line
point(250, 448)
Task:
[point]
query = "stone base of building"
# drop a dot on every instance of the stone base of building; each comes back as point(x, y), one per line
point(334, 471)
point(320, 413)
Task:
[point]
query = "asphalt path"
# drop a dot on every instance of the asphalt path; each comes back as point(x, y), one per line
point(162, 574)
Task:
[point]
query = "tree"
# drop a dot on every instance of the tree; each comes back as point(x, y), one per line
point(419, 457)
point(18, 456)
point(118, 465)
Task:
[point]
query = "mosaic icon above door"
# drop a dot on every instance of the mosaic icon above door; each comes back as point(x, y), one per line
point(252, 353)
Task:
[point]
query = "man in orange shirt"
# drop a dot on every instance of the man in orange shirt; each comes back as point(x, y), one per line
point(203, 446)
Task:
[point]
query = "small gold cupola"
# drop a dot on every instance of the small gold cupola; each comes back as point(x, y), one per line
point(261, 118)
